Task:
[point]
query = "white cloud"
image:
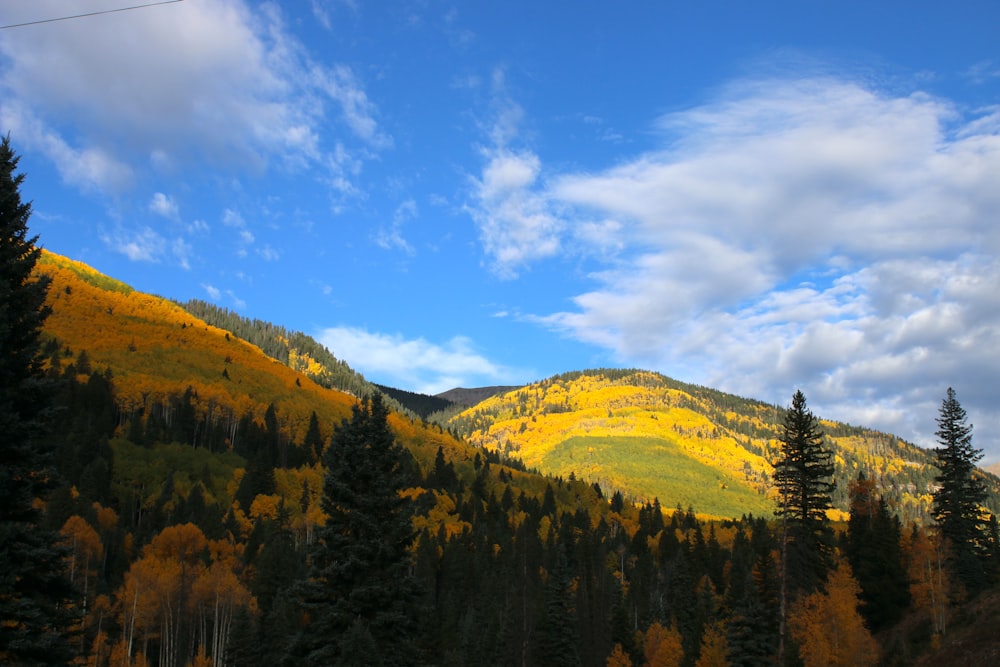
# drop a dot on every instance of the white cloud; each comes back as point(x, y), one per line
point(269, 254)
point(91, 169)
point(515, 224)
point(392, 238)
point(214, 293)
point(238, 303)
point(231, 218)
point(415, 365)
point(809, 233)
point(214, 82)
point(514, 215)
point(139, 245)
point(182, 251)
point(164, 206)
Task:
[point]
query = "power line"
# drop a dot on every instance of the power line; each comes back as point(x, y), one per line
point(78, 16)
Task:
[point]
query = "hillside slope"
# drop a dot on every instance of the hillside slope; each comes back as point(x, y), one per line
point(649, 436)
point(157, 354)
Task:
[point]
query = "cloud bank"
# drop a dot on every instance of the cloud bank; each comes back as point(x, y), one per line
point(812, 233)
point(211, 82)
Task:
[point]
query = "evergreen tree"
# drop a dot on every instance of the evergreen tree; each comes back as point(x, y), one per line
point(960, 495)
point(803, 477)
point(873, 549)
point(313, 443)
point(34, 592)
point(559, 636)
point(359, 583)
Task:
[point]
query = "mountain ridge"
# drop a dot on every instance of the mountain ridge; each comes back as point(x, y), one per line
point(646, 434)
point(714, 444)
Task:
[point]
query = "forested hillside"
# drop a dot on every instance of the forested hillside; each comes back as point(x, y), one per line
point(203, 486)
point(298, 351)
point(648, 436)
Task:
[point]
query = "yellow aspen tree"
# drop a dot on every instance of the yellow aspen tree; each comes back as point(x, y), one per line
point(828, 628)
point(218, 594)
point(85, 549)
point(714, 648)
point(618, 658)
point(662, 647)
point(930, 585)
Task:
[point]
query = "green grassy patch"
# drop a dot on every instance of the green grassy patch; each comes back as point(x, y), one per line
point(650, 468)
point(86, 274)
point(141, 471)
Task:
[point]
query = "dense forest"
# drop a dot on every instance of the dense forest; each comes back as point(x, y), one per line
point(173, 496)
point(186, 556)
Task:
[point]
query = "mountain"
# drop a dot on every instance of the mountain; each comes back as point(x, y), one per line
point(649, 436)
point(626, 430)
point(164, 361)
point(469, 397)
point(421, 405)
point(191, 485)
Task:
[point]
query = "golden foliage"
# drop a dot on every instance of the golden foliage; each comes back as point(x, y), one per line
point(930, 585)
point(180, 578)
point(618, 658)
point(714, 648)
point(156, 350)
point(828, 628)
point(662, 647)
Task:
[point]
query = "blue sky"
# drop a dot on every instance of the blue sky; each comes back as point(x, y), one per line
point(756, 197)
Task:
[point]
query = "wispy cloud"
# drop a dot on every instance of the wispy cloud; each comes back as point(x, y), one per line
point(392, 238)
point(164, 206)
point(509, 204)
point(413, 364)
point(139, 245)
point(808, 232)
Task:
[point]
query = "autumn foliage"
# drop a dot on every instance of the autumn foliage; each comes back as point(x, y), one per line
point(195, 508)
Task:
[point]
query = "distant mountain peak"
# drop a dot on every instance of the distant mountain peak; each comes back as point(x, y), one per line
point(469, 397)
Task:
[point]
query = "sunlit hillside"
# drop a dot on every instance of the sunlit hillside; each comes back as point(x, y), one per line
point(182, 447)
point(156, 352)
point(650, 436)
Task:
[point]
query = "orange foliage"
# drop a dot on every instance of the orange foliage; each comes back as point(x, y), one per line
point(930, 586)
point(85, 550)
point(828, 627)
point(156, 350)
point(714, 648)
point(662, 647)
point(170, 587)
point(618, 658)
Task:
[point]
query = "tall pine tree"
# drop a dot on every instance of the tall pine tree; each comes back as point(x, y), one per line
point(803, 476)
point(34, 591)
point(960, 494)
point(360, 597)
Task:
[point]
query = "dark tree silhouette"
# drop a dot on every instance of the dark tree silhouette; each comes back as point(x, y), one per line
point(360, 595)
point(34, 592)
point(872, 546)
point(803, 477)
point(960, 494)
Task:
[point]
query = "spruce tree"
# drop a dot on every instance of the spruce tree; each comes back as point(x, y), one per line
point(803, 477)
point(559, 634)
point(960, 494)
point(359, 583)
point(34, 592)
